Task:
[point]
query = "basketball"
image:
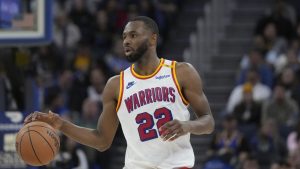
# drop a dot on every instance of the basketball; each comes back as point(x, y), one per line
point(37, 143)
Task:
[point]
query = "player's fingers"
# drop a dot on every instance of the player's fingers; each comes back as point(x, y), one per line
point(168, 125)
point(170, 129)
point(174, 137)
point(35, 115)
point(31, 117)
point(175, 133)
point(28, 118)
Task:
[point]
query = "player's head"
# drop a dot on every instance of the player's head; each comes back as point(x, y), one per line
point(139, 36)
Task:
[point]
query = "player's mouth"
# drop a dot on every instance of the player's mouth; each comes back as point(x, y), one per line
point(128, 50)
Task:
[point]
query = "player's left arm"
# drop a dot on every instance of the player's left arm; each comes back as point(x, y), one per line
point(191, 87)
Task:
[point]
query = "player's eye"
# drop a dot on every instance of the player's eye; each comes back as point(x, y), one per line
point(133, 35)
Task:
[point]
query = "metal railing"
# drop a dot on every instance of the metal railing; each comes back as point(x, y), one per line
point(210, 29)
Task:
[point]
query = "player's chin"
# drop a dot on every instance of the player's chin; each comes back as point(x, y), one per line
point(130, 57)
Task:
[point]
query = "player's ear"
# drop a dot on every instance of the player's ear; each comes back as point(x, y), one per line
point(153, 39)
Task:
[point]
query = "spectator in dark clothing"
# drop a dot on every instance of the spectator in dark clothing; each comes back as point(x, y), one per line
point(296, 94)
point(256, 61)
point(248, 111)
point(288, 80)
point(117, 16)
point(267, 145)
point(55, 101)
point(283, 24)
point(229, 143)
point(281, 108)
point(58, 94)
point(103, 35)
point(82, 17)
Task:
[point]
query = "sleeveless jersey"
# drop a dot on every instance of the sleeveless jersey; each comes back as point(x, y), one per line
point(146, 103)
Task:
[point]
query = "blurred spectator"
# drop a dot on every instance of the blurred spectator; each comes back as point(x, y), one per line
point(169, 9)
point(103, 34)
point(285, 10)
point(284, 26)
point(82, 63)
point(85, 21)
point(98, 80)
point(228, 144)
point(267, 145)
point(293, 140)
point(274, 44)
point(282, 164)
point(259, 45)
point(71, 156)
point(90, 113)
point(260, 91)
point(115, 60)
point(256, 61)
point(250, 163)
point(10, 102)
point(248, 111)
point(295, 93)
point(288, 80)
point(117, 16)
point(290, 59)
point(132, 10)
point(294, 159)
point(55, 101)
point(281, 108)
point(66, 35)
point(57, 95)
point(46, 59)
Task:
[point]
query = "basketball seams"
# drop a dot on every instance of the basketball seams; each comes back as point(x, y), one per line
point(45, 140)
point(20, 144)
point(52, 129)
point(32, 145)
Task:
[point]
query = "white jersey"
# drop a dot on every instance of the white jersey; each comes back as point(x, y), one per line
point(146, 103)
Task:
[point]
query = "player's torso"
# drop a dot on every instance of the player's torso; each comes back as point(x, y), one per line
point(147, 103)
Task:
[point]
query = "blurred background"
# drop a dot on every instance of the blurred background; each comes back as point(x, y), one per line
point(247, 52)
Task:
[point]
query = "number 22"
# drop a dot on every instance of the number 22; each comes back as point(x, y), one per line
point(146, 122)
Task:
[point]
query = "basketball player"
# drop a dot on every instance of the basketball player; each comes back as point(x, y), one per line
point(150, 100)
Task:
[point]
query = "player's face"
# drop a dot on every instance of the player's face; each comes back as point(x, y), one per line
point(135, 40)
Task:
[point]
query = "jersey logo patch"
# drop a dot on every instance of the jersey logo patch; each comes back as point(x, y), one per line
point(162, 77)
point(130, 84)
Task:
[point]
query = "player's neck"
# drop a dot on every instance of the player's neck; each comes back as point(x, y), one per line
point(147, 64)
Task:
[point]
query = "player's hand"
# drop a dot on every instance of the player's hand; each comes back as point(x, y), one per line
point(51, 118)
point(173, 129)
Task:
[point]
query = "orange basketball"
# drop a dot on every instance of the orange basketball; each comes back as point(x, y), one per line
point(37, 143)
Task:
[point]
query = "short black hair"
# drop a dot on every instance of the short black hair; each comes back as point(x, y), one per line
point(149, 23)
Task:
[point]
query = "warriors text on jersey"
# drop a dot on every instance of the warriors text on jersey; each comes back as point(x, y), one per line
point(145, 104)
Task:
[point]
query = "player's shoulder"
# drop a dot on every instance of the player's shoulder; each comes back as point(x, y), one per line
point(184, 67)
point(114, 81)
point(186, 73)
point(112, 87)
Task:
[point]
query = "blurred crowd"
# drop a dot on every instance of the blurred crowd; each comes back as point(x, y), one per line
point(260, 128)
point(68, 75)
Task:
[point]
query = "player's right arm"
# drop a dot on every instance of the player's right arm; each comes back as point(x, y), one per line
point(99, 138)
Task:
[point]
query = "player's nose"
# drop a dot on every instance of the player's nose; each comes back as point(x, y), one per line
point(126, 42)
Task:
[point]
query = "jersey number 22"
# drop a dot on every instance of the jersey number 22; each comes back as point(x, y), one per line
point(146, 121)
